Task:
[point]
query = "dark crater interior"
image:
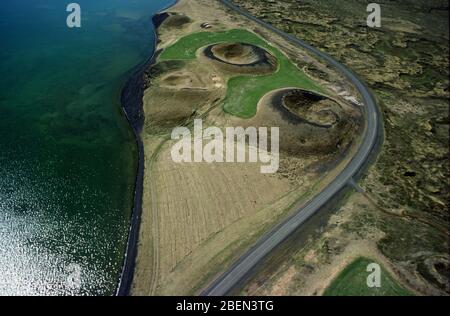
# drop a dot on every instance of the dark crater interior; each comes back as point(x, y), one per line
point(176, 20)
point(301, 106)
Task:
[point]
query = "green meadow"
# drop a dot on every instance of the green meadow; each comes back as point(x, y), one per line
point(244, 91)
point(352, 281)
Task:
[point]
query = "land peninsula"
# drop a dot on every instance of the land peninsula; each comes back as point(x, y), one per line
point(212, 64)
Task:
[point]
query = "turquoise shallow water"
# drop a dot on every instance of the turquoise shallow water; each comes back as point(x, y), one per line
point(67, 155)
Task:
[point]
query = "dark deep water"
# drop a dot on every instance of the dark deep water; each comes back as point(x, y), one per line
point(67, 154)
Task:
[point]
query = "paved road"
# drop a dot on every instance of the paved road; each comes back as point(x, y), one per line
point(267, 243)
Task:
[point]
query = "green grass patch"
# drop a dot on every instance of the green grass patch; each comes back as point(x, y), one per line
point(352, 281)
point(244, 91)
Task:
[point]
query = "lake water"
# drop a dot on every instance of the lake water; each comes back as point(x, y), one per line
point(67, 154)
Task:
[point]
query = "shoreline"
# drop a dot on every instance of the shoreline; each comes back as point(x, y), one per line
point(131, 98)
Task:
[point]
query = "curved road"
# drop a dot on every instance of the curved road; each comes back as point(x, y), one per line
point(241, 268)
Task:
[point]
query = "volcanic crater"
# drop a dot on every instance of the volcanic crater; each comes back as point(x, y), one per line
point(242, 58)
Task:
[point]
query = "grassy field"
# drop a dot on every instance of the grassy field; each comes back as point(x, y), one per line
point(244, 91)
point(352, 282)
